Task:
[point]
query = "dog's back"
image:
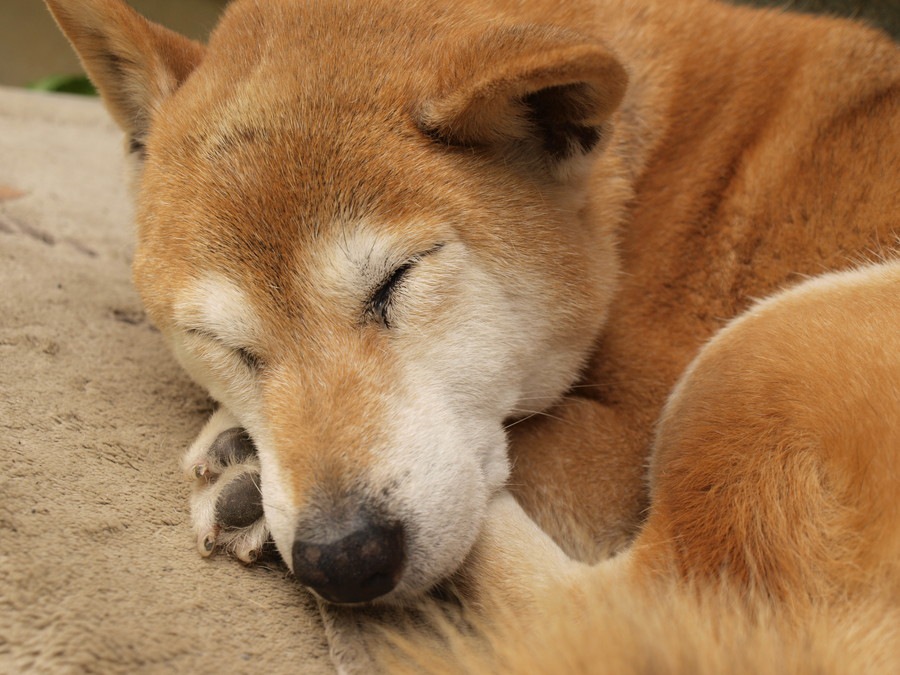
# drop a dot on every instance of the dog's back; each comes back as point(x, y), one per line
point(764, 149)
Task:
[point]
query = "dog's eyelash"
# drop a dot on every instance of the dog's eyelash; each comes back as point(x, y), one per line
point(380, 302)
point(250, 359)
point(381, 299)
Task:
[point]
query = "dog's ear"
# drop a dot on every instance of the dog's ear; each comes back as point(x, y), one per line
point(135, 64)
point(542, 95)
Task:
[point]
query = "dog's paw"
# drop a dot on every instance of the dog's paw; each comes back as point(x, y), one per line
point(226, 505)
point(514, 565)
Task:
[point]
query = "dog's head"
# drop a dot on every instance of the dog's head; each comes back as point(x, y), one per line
point(365, 229)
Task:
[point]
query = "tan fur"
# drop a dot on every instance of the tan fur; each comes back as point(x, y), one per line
point(626, 630)
point(750, 150)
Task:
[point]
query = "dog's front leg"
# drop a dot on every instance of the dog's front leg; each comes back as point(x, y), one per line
point(514, 565)
point(578, 470)
point(226, 506)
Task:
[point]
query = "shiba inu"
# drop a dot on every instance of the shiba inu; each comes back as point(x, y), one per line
point(427, 253)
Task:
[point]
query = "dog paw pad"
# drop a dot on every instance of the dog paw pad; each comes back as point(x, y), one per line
point(226, 505)
point(232, 446)
point(239, 503)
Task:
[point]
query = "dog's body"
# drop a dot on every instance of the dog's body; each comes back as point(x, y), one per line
point(378, 234)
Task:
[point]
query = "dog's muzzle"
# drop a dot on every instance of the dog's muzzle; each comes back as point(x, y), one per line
point(358, 566)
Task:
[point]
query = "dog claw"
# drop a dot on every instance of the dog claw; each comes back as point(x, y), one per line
point(248, 556)
point(200, 472)
point(207, 544)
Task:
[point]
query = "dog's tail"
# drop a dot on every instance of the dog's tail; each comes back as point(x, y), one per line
point(621, 630)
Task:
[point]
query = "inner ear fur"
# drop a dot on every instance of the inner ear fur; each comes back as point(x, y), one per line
point(541, 92)
point(135, 64)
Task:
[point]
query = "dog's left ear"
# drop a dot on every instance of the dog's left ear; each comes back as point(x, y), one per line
point(539, 95)
point(135, 64)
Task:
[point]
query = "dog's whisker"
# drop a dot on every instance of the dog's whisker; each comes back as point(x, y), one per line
point(542, 413)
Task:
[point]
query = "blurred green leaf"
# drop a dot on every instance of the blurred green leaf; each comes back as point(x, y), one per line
point(68, 84)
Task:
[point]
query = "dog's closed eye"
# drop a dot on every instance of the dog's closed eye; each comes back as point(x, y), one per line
point(248, 357)
point(381, 301)
point(251, 359)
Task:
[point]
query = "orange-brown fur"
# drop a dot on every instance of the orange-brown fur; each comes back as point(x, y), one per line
point(736, 199)
point(752, 150)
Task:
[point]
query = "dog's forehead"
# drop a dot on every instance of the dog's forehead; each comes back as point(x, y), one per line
point(292, 120)
point(335, 61)
point(255, 211)
point(320, 87)
point(322, 34)
point(293, 143)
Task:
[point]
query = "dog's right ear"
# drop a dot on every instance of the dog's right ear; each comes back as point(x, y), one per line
point(135, 64)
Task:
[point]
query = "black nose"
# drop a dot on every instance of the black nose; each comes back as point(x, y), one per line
point(363, 565)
